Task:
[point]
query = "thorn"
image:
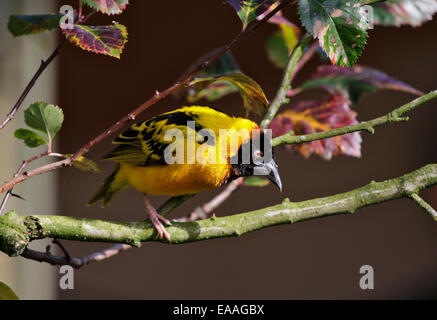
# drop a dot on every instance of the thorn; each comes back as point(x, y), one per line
point(157, 93)
point(131, 117)
point(17, 196)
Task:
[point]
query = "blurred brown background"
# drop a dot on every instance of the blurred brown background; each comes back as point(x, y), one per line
point(314, 259)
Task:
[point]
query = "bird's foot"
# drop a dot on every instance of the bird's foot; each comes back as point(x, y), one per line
point(157, 221)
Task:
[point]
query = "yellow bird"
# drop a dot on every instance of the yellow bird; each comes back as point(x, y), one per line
point(185, 151)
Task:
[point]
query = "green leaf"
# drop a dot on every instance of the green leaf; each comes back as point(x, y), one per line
point(249, 10)
point(339, 25)
point(107, 40)
point(31, 138)
point(44, 117)
point(256, 182)
point(20, 25)
point(254, 99)
point(281, 44)
point(277, 50)
point(108, 7)
point(88, 165)
point(355, 82)
point(404, 12)
point(6, 293)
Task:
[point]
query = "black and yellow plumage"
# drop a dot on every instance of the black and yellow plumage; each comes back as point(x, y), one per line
point(140, 155)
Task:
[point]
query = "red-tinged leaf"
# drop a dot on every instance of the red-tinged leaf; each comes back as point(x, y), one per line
point(317, 116)
point(404, 12)
point(249, 10)
point(108, 7)
point(108, 40)
point(354, 82)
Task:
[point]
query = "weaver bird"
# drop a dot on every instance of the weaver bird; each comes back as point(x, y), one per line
point(148, 161)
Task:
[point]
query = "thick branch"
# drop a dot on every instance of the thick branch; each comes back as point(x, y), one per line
point(165, 209)
point(394, 116)
point(17, 231)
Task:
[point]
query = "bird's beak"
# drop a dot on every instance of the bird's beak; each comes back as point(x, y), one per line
point(273, 173)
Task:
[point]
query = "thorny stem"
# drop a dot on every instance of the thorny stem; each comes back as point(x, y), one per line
point(42, 67)
point(24, 164)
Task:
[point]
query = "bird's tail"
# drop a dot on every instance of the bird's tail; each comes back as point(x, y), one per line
point(114, 183)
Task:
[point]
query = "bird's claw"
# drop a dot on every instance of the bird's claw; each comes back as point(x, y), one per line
point(157, 221)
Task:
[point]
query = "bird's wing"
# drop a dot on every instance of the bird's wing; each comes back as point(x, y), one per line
point(143, 144)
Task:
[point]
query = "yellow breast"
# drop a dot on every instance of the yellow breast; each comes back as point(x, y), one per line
point(176, 179)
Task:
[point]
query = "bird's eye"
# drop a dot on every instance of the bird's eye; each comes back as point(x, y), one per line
point(257, 154)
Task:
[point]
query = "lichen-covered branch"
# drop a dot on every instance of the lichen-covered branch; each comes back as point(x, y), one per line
point(17, 231)
point(394, 116)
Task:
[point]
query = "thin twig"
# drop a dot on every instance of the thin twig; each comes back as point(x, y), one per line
point(42, 67)
point(394, 116)
point(24, 164)
point(132, 115)
point(423, 204)
point(61, 246)
point(73, 261)
point(203, 211)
